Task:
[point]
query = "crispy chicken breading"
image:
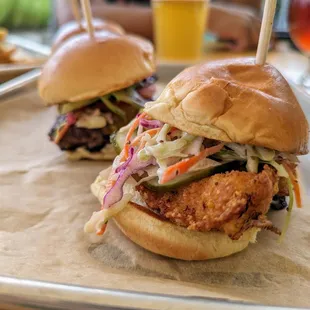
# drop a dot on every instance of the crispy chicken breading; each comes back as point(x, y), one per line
point(231, 202)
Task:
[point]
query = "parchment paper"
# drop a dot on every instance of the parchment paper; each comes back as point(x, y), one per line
point(45, 201)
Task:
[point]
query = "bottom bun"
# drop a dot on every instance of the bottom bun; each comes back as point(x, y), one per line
point(106, 153)
point(162, 237)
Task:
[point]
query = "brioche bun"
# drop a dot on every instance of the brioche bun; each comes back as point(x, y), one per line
point(72, 28)
point(84, 67)
point(148, 230)
point(234, 100)
point(160, 236)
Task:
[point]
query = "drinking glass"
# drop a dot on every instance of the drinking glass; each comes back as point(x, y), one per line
point(179, 27)
point(299, 27)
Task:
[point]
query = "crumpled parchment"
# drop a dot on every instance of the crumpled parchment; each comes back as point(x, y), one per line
point(45, 201)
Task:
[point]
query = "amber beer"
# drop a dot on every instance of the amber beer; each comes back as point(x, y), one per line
point(179, 27)
point(299, 21)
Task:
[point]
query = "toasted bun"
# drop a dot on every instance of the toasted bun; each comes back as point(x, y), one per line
point(72, 28)
point(151, 232)
point(162, 237)
point(235, 101)
point(106, 153)
point(84, 67)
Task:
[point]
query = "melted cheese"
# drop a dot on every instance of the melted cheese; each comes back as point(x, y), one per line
point(91, 121)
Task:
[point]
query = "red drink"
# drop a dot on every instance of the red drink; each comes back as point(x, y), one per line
point(299, 23)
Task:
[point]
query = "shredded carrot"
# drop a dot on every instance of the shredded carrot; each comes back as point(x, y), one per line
point(102, 230)
point(70, 120)
point(130, 133)
point(137, 140)
point(183, 166)
point(61, 133)
point(294, 181)
point(151, 132)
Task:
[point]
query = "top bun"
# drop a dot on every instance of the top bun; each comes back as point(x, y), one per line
point(235, 100)
point(85, 67)
point(72, 28)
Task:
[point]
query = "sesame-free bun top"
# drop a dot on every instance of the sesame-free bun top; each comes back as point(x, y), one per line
point(235, 100)
point(85, 67)
point(72, 28)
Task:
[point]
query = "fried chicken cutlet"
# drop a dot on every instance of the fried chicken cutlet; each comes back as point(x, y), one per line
point(230, 202)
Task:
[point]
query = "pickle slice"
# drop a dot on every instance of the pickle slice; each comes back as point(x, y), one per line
point(71, 106)
point(191, 177)
point(117, 139)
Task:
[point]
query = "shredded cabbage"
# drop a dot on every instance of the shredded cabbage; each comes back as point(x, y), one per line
point(265, 154)
point(162, 135)
point(252, 160)
point(143, 155)
point(249, 152)
point(140, 130)
point(169, 148)
point(151, 174)
point(100, 218)
point(252, 164)
point(238, 148)
point(194, 147)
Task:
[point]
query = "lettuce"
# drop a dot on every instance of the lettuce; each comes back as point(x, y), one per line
point(113, 108)
point(130, 96)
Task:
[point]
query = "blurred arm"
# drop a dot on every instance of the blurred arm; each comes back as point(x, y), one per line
point(232, 23)
point(256, 4)
point(133, 18)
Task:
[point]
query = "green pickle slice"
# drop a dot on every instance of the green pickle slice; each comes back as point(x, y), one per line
point(191, 177)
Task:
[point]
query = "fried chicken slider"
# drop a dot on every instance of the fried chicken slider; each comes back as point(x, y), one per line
point(200, 167)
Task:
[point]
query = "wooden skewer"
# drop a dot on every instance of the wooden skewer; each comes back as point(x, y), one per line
point(266, 31)
point(88, 16)
point(76, 11)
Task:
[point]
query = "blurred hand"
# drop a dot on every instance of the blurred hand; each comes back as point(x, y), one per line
point(239, 27)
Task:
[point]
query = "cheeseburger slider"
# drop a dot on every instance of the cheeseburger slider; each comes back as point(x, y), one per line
point(201, 165)
point(73, 28)
point(99, 85)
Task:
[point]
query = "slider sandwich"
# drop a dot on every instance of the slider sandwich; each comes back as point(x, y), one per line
point(99, 85)
point(200, 167)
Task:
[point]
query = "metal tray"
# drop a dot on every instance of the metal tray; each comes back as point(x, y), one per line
point(25, 294)
point(36, 51)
